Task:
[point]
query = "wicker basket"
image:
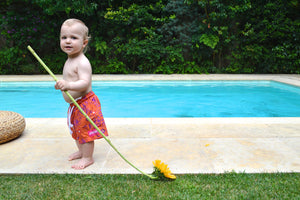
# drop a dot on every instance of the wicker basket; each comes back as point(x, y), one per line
point(12, 125)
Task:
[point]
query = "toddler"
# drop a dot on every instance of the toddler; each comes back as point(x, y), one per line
point(77, 80)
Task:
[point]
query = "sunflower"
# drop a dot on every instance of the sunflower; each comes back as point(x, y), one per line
point(161, 171)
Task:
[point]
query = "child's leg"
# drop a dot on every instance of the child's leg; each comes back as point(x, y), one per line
point(87, 150)
point(77, 154)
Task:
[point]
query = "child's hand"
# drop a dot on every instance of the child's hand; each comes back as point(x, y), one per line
point(62, 85)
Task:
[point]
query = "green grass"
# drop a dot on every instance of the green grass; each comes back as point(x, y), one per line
point(198, 186)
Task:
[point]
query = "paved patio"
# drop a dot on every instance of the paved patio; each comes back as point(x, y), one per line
point(187, 145)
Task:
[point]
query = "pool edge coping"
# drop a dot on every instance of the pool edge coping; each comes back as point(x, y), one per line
point(292, 79)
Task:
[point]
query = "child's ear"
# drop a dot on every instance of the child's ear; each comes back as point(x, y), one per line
point(85, 42)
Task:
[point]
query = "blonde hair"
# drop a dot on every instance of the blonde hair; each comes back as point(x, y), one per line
point(85, 29)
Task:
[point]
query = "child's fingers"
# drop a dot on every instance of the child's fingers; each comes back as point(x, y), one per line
point(56, 86)
point(59, 85)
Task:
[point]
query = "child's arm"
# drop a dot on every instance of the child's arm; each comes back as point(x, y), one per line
point(84, 72)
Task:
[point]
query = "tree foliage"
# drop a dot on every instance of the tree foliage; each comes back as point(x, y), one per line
point(156, 36)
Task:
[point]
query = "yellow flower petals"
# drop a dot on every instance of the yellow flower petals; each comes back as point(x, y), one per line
point(163, 169)
point(156, 163)
point(171, 176)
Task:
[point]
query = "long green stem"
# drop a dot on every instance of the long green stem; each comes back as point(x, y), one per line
point(86, 116)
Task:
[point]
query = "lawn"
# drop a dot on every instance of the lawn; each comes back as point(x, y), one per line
point(193, 186)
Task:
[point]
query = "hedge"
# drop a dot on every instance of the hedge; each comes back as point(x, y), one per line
point(156, 36)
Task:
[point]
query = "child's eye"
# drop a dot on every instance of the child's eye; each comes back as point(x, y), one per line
point(73, 38)
point(63, 37)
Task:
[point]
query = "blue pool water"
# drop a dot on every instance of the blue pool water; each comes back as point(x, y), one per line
point(160, 99)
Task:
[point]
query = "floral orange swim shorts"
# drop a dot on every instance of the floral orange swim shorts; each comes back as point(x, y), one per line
point(80, 128)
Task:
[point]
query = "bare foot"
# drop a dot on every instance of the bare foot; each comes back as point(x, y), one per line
point(76, 155)
point(83, 163)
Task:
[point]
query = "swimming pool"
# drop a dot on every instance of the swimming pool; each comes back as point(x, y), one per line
point(166, 99)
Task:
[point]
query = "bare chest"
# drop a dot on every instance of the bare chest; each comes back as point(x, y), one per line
point(70, 72)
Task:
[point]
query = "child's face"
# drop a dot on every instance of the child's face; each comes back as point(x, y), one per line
point(71, 40)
